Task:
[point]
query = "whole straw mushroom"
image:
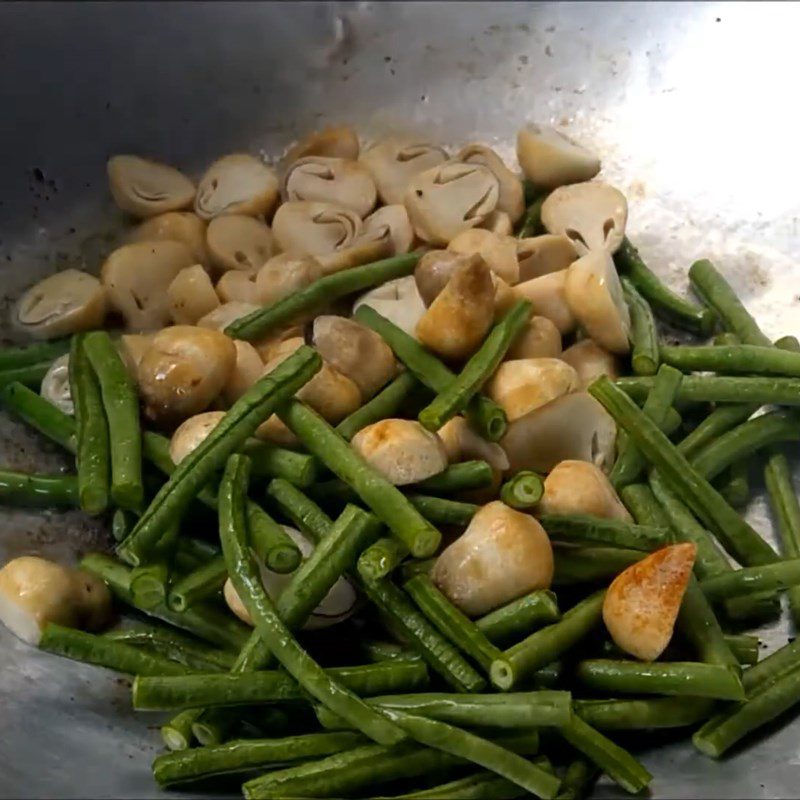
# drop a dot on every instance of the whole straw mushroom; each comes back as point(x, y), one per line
point(548, 298)
point(538, 339)
point(499, 252)
point(313, 228)
point(398, 300)
point(247, 369)
point(391, 221)
point(578, 487)
point(224, 315)
point(498, 222)
point(590, 361)
point(145, 188)
point(191, 295)
point(285, 274)
point(549, 159)
point(175, 226)
point(332, 142)
point(191, 433)
point(237, 184)
point(541, 255)
point(239, 242)
point(238, 285)
point(331, 180)
point(521, 386)
point(461, 443)
point(434, 270)
point(511, 200)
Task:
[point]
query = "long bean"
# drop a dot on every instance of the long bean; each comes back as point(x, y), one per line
point(532, 221)
point(574, 565)
point(177, 732)
point(200, 584)
point(479, 786)
point(29, 375)
point(519, 616)
point(523, 490)
point(744, 646)
point(13, 357)
point(302, 511)
point(381, 558)
point(442, 511)
point(270, 541)
point(783, 575)
point(579, 778)
point(734, 484)
point(580, 528)
point(643, 333)
point(726, 338)
point(38, 491)
point(739, 359)
point(458, 478)
point(271, 461)
point(719, 421)
point(41, 415)
point(643, 714)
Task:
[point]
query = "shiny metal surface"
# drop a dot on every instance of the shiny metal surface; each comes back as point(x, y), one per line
point(690, 105)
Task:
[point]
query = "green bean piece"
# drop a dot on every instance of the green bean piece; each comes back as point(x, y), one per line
point(790, 343)
point(121, 404)
point(532, 221)
point(40, 414)
point(670, 678)
point(93, 455)
point(643, 506)
point(547, 644)
point(758, 390)
point(575, 565)
point(38, 491)
point(578, 780)
point(725, 339)
point(520, 616)
point(381, 558)
point(270, 541)
point(719, 421)
point(202, 583)
point(149, 583)
point(480, 786)
point(29, 375)
point(643, 334)
point(416, 566)
point(25, 355)
point(734, 484)
point(454, 399)
point(643, 714)
point(304, 513)
point(740, 359)
point(745, 647)
point(385, 651)
point(523, 490)
point(194, 551)
point(122, 522)
point(383, 405)
point(441, 511)
point(271, 461)
point(177, 733)
point(458, 478)
point(483, 414)
point(579, 528)
point(745, 581)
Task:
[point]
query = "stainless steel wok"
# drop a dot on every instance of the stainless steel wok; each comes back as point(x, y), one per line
point(692, 107)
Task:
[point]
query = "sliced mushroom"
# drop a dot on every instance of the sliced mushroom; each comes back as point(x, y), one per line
point(237, 184)
point(191, 433)
point(394, 161)
point(137, 277)
point(55, 385)
point(549, 159)
point(331, 180)
point(334, 142)
point(246, 371)
point(498, 222)
point(132, 347)
point(145, 188)
point(175, 226)
point(183, 371)
point(285, 274)
point(35, 592)
point(363, 250)
point(238, 286)
point(401, 450)
point(450, 198)
point(522, 385)
point(398, 300)
point(391, 221)
point(239, 242)
point(191, 295)
point(541, 255)
point(538, 339)
point(356, 351)
point(578, 487)
point(512, 200)
point(594, 294)
point(548, 298)
point(499, 252)
point(642, 604)
point(306, 228)
point(457, 320)
point(223, 315)
point(63, 303)
point(574, 426)
point(592, 215)
point(590, 361)
point(503, 554)
point(462, 444)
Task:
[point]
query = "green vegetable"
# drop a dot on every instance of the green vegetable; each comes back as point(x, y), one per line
point(725, 339)
point(309, 518)
point(643, 334)
point(590, 564)
point(643, 714)
point(41, 415)
point(722, 389)
point(458, 478)
point(480, 786)
point(149, 582)
point(719, 421)
point(200, 584)
point(532, 221)
point(270, 461)
point(121, 523)
point(38, 491)
point(783, 575)
point(523, 490)
point(520, 616)
point(442, 511)
point(744, 646)
point(26, 355)
point(734, 484)
point(177, 733)
point(574, 528)
point(29, 375)
point(270, 541)
point(740, 359)
point(381, 558)
point(579, 777)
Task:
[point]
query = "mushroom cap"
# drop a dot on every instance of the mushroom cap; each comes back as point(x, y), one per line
point(450, 198)
point(594, 293)
point(223, 315)
point(578, 487)
point(145, 188)
point(574, 426)
point(333, 142)
point(590, 361)
point(548, 298)
point(331, 180)
point(55, 385)
point(391, 221)
point(499, 252)
point(239, 242)
point(395, 160)
point(434, 270)
point(63, 303)
point(284, 275)
point(538, 339)
point(174, 226)
point(313, 228)
point(237, 184)
point(137, 276)
point(592, 215)
point(363, 250)
point(642, 604)
point(541, 255)
point(523, 385)
point(503, 554)
point(131, 347)
point(356, 351)
point(246, 371)
point(461, 443)
point(549, 159)
point(191, 295)
point(191, 433)
point(397, 300)
point(512, 199)
point(238, 285)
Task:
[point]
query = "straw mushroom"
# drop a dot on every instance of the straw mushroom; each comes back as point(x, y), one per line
point(511, 200)
point(395, 160)
point(183, 370)
point(541, 255)
point(224, 315)
point(237, 184)
point(548, 298)
point(572, 427)
point(450, 198)
point(592, 215)
point(356, 351)
point(538, 339)
point(239, 242)
point(132, 347)
point(35, 592)
point(284, 275)
point(590, 361)
point(594, 294)
point(174, 226)
point(401, 450)
point(434, 270)
point(549, 159)
point(578, 487)
point(61, 304)
point(55, 385)
point(503, 554)
point(522, 385)
point(457, 320)
point(498, 222)
point(137, 277)
point(191, 433)
point(246, 371)
point(398, 300)
point(312, 228)
point(461, 443)
point(391, 221)
point(331, 180)
point(332, 142)
point(238, 285)
point(364, 250)
point(272, 343)
point(642, 604)
point(499, 252)
point(191, 295)
point(145, 188)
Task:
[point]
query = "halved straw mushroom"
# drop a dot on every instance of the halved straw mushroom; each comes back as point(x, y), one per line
point(223, 315)
point(356, 351)
point(331, 180)
point(55, 385)
point(548, 298)
point(456, 322)
point(498, 222)
point(191, 433)
point(364, 250)
point(592, 215)
point(145, 188)
point(137, 276)
point(574, 426)
point(538, 339)
point(337, 605)
point(541, 255)
point(285, 274)
point(238, 285)
point(503, 554)
point(511, 200)
point(434, 270)
point(522, 385)
point(333, 142)
point(578, 487)
point(306, 228)
point(461, 443)
point(391, 221)
point(63, 303)
point(174, 226)
point(590, 361)
point(183, 371)
point(35, 592)
point(549, 159)
point(237, 184)
point(395, 160)
point(401, 450)
point(642, 604)
point(132, 347)
point(594, 294)
point(191, 295)
point(246, 371)
point(450, 198)
point(239, 242)
point(398, 300)
point(499, 252)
